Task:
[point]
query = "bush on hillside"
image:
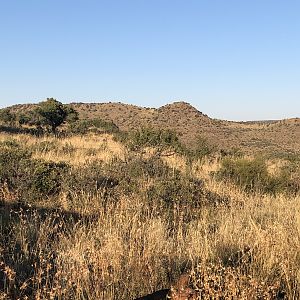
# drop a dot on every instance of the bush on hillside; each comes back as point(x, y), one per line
point(202, 149)
point(46, 178)
point(155, 181)
point(148, 137)
point(30, 179)
point(253, 176)
point(91, 178)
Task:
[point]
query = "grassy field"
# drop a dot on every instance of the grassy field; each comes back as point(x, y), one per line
point(84, 217)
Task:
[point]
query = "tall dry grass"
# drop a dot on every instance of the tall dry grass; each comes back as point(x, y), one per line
point(132, 247)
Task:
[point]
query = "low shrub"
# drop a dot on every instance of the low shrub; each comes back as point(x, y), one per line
point(253, 176)
point(154, 180)
point(201, 149)
point(29, 178)
point(91, 178)
point(149, 137)
point(45, 178)
point(12, 160)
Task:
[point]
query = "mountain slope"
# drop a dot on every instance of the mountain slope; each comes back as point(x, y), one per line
point(189, 123)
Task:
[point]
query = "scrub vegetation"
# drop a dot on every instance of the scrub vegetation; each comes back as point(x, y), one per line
point(92, 212)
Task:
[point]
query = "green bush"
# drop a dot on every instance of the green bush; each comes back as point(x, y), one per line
point(7, 116)
point(53, 113)
point(46, 178)
point(30, 179)
point(12, 161)
point(253, 176)
point(164, 185)
point(148, 137)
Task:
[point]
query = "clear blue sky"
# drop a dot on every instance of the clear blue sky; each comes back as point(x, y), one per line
point(232, 59)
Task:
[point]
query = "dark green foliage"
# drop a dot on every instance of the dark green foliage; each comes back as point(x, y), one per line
point(147, 168)
point(253, 176)
point(32, 118)
point(12, 159)
point(53, 113)
point(46, 178)
point(72, 114)
point(178, 190)
point(93, 125)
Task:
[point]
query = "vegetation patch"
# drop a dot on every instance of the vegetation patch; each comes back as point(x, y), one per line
point(252, 175)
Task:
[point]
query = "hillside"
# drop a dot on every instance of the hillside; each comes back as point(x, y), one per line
point(188, 122)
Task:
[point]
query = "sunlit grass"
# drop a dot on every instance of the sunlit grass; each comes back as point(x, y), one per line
point(127, 248)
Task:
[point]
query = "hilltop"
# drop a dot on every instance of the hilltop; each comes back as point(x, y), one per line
point(189, 123)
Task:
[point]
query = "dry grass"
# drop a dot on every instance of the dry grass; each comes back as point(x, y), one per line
point(247, 250)
point(76, 150)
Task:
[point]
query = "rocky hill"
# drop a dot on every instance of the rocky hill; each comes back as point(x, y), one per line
point(188, 122)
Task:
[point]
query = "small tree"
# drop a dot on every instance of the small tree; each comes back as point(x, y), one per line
point(53, 113)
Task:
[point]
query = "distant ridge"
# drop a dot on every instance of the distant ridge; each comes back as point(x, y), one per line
point(189, 123)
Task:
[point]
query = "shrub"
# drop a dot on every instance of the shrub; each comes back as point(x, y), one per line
point(201, 149)
point(162, 184)
point(90, 177)
point(29, 178)
point(12, 159)
point(253, 176)
point(45, 178)
point(148, 137)
point(7, 117)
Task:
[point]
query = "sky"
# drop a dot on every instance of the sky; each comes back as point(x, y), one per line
point(231, 59)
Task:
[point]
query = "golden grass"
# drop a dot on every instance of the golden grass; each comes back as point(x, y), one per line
point(75, 150)
point(132, 248)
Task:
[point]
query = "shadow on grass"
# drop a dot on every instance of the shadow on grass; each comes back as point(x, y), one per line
point(18, 130)
point(28, 239)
